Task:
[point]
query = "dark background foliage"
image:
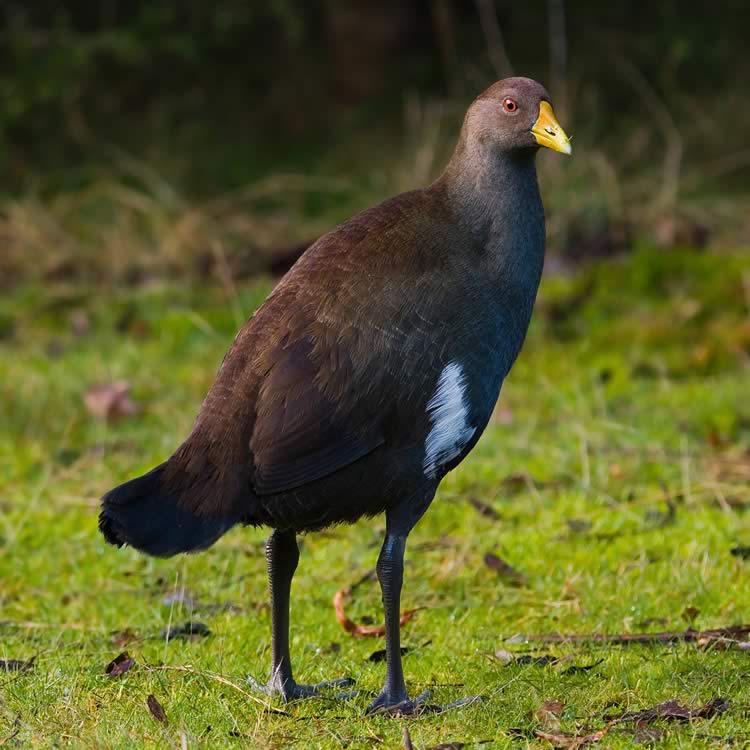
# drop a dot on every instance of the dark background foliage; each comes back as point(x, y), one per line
point(248, 84)
point(156, 137)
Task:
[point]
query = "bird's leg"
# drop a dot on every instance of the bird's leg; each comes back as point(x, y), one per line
point(390, 571)
point(282, 554)
point(393, 697)
point(390, 568)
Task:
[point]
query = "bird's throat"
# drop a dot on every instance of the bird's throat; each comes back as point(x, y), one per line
point(496, 197)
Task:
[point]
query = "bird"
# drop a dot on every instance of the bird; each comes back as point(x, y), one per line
point(368, 374)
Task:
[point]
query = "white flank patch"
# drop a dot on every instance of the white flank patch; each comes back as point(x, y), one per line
point(450, 429)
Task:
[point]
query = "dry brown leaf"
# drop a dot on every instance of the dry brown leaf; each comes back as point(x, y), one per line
point(505, 570)
point(571, 741)
point(513, 484)
point(672, 710)
point(156, 709)
point(363, 631)
point(548, 715)
point(119, 665)
point(484, 509)
point(690, 613)
point(123, 637)
point(110, 400)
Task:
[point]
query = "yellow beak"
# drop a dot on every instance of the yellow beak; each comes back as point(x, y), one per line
point(548, 132)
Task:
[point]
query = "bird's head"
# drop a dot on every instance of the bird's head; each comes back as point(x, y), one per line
point(515, 114)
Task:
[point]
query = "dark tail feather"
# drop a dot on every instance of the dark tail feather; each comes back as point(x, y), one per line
point(145, 514)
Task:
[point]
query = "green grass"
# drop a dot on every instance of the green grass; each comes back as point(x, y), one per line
point(630, 396)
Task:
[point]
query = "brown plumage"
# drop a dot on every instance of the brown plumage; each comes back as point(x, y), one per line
point(370, 371)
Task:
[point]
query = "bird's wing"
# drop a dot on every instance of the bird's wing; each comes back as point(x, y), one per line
point(315, 378)
point(313, 417)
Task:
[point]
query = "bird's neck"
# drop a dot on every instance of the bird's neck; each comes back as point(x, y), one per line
point(495, 194)
point(494, 199)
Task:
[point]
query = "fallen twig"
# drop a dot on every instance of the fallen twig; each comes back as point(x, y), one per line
point(219, 678)
point(674, 711)
point(704, 637)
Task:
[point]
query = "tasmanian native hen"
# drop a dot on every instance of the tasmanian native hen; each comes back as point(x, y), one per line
point(369, 373)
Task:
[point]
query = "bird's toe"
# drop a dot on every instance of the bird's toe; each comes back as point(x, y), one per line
point(383, 704)
point(289, 690)
point(399, 705)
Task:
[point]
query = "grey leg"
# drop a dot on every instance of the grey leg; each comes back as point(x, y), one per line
point(390, 568)
point(282, 554)
point(390, 571)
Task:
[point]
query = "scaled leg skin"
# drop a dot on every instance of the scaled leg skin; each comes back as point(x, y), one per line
point(393, 698)
point(282, 554)
point(390, 571)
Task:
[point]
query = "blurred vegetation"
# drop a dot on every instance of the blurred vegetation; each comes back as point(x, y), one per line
point(145, 137)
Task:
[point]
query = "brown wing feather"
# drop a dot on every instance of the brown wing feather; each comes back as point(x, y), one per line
point(302, 433)
point(309, 384)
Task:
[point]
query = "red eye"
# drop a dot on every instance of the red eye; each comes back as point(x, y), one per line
point(509, 105)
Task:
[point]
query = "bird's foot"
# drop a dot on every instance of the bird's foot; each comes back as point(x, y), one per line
point(404, 706)
point(289, 690)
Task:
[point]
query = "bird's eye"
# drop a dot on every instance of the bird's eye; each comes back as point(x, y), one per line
point(510, 105)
